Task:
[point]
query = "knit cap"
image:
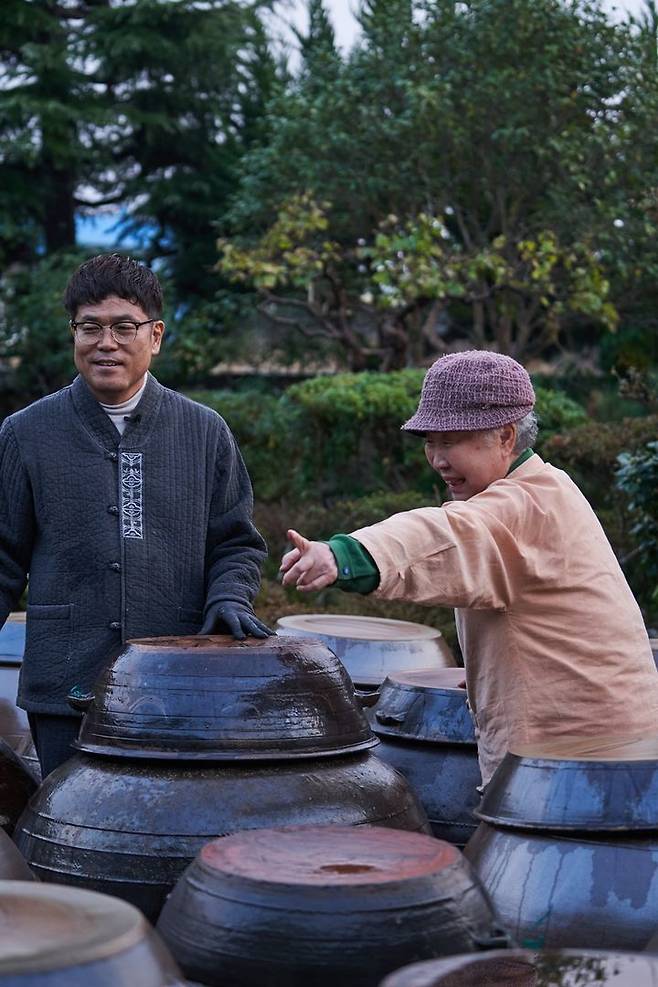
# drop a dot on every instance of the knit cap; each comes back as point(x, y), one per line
point(472, 390)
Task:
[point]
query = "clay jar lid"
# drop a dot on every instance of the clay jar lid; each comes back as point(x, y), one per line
point(601, 784)
point(424, 705)
point(217, 699)
point(518, 968)
point(327, 856)
point(45, 928)
point(372, 647)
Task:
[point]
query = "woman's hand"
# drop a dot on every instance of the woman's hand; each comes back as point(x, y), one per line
point(309, 566)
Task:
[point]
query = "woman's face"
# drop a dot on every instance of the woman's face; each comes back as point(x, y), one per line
point(469, 461)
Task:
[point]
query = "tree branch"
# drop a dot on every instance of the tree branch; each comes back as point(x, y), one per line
point(109, 200)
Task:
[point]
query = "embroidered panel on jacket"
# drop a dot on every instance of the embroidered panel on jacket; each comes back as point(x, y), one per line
point(132, 493)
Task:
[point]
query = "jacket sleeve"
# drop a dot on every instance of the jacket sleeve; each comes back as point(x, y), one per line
point(235, 549)
point(17, 523)
point(459, 556)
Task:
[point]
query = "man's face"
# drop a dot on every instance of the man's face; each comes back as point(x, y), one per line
point(114, 371)
point(469, 461)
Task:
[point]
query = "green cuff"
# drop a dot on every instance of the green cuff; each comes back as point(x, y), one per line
point(357, 570)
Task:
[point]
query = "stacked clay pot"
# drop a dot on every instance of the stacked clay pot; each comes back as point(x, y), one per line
point(14, 726)
point(322, 906)
point(188, 739)
point(54, 936)
point(13, 866)
point(568, 844)
point(371, 648)
point(426, 731)
point(16, 786)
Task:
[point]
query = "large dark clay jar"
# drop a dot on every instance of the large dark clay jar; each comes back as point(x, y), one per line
point(13, 866)
point(54, 936)
point(16, 787)
point(568, 845)
point(131, 827)
point(426, 731)
point(296, 907)
point(188, 739)
point(519, 968)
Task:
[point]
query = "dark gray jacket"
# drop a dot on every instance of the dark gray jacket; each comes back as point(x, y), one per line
point(122, 536)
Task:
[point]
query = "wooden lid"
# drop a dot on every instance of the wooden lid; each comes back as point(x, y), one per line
point(328, 855)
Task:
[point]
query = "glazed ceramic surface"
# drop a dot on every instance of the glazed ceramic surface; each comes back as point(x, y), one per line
point(426, 732)
point(517, 968)
point(322, 906)
point(13, 866)
point(16, 787)
point(372, 647)
point(54, 936)
point(217, 699)
point(130, 827)
point(566, 890)
point(602, 784)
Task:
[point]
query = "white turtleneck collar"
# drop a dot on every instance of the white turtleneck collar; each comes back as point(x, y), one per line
point(117, 412)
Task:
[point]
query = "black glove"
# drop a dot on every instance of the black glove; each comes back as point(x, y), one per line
point(237, 618)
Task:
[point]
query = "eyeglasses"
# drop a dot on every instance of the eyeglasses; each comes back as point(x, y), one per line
point(121, 332)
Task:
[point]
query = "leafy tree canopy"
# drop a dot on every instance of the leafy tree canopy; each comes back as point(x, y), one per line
point(488, 167)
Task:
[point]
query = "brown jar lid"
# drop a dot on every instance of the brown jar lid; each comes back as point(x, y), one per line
point(328, 855)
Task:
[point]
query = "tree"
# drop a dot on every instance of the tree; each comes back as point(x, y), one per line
point(523, 131)
point(48, 105)
point(188, 82)
point(145, 107)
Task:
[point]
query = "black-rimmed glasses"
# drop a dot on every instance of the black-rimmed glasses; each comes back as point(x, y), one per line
point(121, 332)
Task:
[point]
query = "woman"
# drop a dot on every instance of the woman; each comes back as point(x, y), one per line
point(553, 640)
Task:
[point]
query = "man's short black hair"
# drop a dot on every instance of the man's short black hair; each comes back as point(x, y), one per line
point(114, 274)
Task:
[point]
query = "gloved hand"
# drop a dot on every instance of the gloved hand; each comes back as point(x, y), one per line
point(80, 699)
point(236, 618)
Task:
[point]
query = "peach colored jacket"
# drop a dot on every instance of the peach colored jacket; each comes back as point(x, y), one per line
point(553, 640)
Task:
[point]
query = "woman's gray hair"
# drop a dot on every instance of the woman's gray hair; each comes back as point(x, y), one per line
point(526, 432)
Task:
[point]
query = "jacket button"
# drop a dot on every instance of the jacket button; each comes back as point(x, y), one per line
point(113, 509)
point(115, 566)
point(112, 456)
point(115, 625)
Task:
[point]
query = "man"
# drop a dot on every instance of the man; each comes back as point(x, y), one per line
point(128, 505)
point(553, 640)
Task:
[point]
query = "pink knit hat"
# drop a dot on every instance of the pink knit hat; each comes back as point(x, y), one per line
point(472, 390)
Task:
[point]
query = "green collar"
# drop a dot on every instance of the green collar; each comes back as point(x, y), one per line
point(526, 454)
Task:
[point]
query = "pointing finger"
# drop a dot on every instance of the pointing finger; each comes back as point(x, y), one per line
point(301, 544)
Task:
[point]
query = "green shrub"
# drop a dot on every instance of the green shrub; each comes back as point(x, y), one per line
point(589, 452)
point(339, 437)
point(265, 426)
point(351, 443)
point(556, 413)
point(637, 477)
point(316, 521)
